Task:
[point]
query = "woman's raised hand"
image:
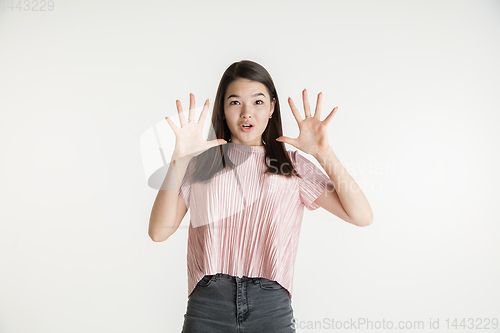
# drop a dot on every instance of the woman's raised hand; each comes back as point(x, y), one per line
point(188, 138)
point(313, 137)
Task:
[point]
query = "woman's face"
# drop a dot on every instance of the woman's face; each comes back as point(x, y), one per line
point(247, 102)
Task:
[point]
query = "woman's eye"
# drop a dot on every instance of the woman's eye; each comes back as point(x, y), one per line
point(259, 102)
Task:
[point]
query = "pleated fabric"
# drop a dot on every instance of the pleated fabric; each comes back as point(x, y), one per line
point(247, 223)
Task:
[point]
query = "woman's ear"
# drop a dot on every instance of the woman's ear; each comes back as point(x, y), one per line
point(273, 103)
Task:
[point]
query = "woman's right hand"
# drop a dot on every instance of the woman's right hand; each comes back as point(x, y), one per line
point(189, 140)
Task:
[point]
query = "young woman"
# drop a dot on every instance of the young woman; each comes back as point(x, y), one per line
point(247, 195)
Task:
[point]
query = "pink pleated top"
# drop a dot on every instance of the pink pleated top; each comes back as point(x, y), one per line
point(247, 223)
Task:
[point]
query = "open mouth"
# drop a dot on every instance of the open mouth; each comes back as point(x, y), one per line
point(246, 128)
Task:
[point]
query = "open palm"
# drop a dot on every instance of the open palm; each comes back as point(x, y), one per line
point(313, 138)
point(188, 138)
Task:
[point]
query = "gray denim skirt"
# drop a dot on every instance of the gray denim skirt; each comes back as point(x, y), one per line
point(225, 303)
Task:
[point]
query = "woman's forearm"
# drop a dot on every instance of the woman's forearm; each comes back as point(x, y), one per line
point(350, 195)
point(162, 223)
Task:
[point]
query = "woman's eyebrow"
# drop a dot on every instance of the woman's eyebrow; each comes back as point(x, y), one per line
point(257, 94)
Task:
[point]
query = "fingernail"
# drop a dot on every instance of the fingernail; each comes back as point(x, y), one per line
point(166, 117)
point(176, 100)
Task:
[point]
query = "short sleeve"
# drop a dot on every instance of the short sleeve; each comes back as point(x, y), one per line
point(185, 188)
point(313, 182)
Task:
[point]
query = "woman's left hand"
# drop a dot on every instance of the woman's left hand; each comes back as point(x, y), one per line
point(313, 137)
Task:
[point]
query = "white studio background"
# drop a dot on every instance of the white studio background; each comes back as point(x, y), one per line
point(416, 83)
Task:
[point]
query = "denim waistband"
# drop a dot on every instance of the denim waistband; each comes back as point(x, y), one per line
point(255, 280)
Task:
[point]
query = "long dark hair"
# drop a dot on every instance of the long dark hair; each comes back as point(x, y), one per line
point(213, 160)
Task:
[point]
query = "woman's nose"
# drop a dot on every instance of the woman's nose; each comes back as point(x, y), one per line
point(246, 113)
